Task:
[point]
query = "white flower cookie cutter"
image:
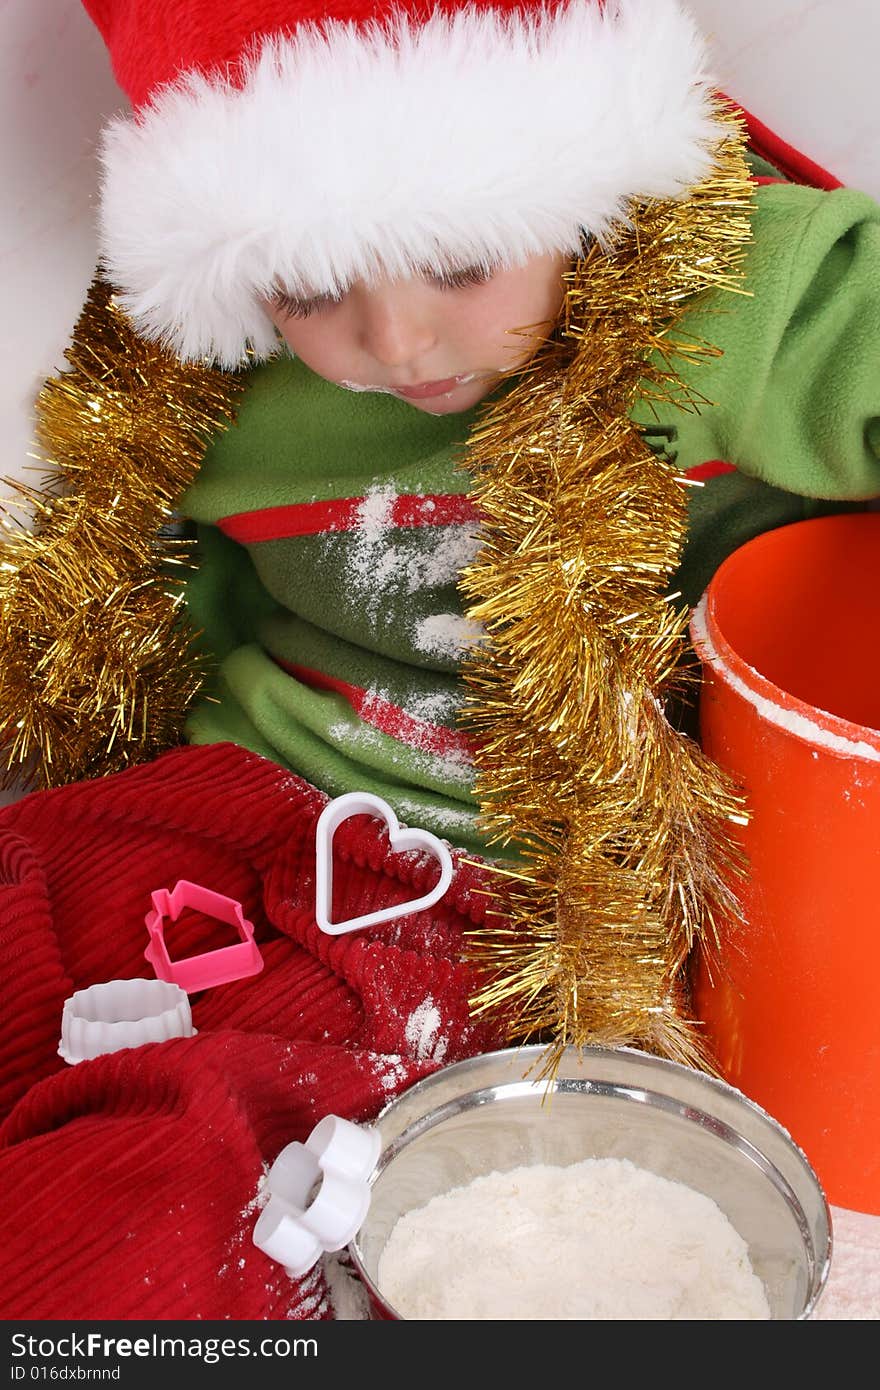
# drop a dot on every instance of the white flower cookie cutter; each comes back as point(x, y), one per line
point(400, 837)
point(319, 1194)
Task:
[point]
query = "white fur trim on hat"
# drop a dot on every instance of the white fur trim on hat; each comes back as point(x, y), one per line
point(348, 152)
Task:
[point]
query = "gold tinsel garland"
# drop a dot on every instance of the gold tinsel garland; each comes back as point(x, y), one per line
point(96, 660)
point(619, 820)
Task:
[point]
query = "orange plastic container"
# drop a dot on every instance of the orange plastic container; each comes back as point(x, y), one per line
point(788, 633)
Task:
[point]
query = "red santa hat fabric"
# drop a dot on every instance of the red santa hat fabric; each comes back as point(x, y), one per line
point(130, 1183)
point(298, 145)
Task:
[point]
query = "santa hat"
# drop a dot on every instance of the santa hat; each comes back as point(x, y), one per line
point(301, 144)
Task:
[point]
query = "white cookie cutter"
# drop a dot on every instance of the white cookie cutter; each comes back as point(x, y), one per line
point(400, 837)
point(122, 1013)
point(319, 1194)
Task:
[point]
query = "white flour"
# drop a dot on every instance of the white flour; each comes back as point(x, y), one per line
point(423, 1032)
point(598, 1239)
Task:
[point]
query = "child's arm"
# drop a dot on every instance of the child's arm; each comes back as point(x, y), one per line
point(796, 395)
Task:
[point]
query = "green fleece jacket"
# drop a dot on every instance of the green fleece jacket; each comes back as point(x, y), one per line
point(332, 526)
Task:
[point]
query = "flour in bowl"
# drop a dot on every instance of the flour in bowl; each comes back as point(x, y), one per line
point(599, 1239)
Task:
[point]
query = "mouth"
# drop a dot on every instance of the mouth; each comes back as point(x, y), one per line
point(428, 390)
point(424, 390)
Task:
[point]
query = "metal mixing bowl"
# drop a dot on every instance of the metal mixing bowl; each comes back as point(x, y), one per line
point(486, 1114)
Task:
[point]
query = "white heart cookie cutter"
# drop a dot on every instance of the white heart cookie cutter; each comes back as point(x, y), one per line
point(400, 837)
point(319, 1194)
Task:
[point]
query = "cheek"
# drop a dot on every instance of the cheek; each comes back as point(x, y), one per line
point(479, 326)
point(518, 303)
point(506, 328)
point(533, 294)
point(322, 345)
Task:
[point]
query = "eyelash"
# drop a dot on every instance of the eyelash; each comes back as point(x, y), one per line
point(461, 279)
point(447, 280)
point(302, 308)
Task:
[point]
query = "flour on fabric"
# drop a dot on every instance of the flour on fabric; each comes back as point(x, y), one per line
point(598, 1239)
point(457, 546)
point(348, 1297)
point(423, 1033)
point(447, 634)
point(454, 764)
point(377, 559)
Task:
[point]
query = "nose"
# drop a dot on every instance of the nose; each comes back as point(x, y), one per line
point(396, 326)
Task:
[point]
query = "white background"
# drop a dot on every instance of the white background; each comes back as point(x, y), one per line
point(807, 68)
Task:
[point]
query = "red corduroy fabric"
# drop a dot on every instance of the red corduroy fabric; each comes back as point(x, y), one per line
point(131, 1183)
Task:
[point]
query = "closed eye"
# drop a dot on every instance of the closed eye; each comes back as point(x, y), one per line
point(296, 308)
point(462, 278)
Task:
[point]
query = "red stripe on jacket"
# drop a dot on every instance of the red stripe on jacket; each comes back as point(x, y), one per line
point(345, 514)
point(382, 714)
point(712, 468)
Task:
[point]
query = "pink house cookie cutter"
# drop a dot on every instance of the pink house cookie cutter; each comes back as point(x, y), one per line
point(212, 967)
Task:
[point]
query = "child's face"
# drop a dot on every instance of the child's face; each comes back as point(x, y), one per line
point(440, 345)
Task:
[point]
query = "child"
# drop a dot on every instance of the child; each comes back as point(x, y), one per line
point(398, 250)
point(442, 250)
point(391, 228)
